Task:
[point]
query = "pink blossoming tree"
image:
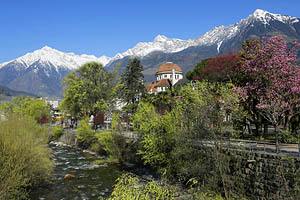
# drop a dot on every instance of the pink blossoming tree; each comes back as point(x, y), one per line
point(274, 77)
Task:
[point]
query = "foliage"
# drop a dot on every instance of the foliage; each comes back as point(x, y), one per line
point(275, 78)
point(38, 109)
point(68, 137)
point(24, 158)
point(272, 87)
point(88, 90)
point(166, 138)
point(113, 142)
point(57, 132)
point(129, 187)
point(170, 140)
point(219, 69)
point(156, 141)
point(163, 101)
point(86, 136)
point(7, 108)
point(197, 71)
point(132, 84)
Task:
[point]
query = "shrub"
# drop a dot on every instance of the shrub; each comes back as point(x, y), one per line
point(114, 144)
point(24, 158)
point(86, 136)
point(129, 187)
point(56, 133)
point(69, 137)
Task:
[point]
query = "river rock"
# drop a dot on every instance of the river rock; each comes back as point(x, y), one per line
point(69, 176)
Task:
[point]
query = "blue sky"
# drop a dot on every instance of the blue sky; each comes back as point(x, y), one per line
point(106, 27)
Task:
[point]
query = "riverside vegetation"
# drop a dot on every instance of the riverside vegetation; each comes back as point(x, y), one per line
point(179, 132)
point(24, 158)
point(165, 138)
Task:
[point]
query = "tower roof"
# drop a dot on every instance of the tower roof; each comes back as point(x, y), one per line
point(169, 66)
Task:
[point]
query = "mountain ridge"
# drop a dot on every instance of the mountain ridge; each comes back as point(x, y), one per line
point(221, 40)
point(7, 92)
point(217, 35)
point(40, 72)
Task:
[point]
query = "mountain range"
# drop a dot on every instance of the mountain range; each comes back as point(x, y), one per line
point(6, 93)
point(41, 71)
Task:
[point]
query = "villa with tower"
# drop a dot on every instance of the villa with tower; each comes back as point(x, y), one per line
point(168, 72)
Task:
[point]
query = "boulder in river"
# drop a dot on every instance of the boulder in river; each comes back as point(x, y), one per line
point(69, 176)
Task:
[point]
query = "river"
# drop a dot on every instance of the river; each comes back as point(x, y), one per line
point(90, 182)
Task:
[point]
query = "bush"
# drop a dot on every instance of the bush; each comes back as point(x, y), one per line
point(56, 133)
point(86, 136)
point(129, 187)
point(69, 137)
point(114, 144)
point(287, 136)
point(24, 158)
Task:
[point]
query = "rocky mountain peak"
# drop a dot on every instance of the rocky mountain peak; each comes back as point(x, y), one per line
point(265, 17)
point(160, 38)
point(56, 58)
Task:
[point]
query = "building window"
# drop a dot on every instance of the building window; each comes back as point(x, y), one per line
point(171, 76)
point(165, 75)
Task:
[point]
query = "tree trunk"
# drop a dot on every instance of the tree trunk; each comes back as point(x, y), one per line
point(277, 141)
point(257, 129)
point(265, 129)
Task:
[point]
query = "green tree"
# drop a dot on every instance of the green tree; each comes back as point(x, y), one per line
point(168, 140)
point(132, 84)
point(197, 71)
point(88, 90)
point(38, 109)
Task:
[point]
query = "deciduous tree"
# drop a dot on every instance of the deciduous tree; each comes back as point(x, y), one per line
point(274, 77)
point(88, 90)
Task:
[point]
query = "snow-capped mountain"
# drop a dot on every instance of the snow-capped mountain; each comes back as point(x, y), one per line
point(219, 40)
point(217, 36)
point(265, 17)
point(41, 71)
point(57, 58)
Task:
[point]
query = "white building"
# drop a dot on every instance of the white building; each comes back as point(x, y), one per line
point(166, 74)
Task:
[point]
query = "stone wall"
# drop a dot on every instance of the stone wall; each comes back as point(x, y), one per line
point(267, 176)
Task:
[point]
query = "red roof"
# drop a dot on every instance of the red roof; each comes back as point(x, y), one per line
point(154, 85)
point(169, 67)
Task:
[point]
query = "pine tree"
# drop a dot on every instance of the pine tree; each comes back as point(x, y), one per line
point(132, 84)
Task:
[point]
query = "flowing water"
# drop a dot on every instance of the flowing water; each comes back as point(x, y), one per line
point(90, 182)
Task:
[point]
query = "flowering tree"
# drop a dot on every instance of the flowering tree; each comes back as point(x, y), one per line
point(273, 76)
point(220, 69)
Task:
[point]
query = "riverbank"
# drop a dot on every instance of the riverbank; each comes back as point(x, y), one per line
point(90, 182)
